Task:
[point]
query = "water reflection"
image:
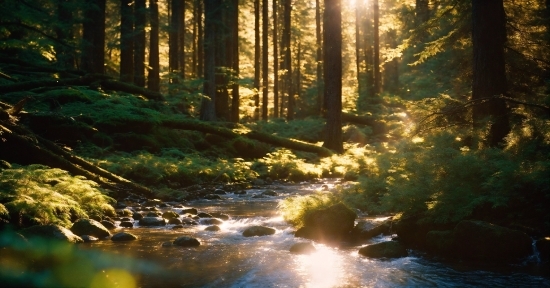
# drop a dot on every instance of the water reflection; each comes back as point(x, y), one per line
point(323, 268)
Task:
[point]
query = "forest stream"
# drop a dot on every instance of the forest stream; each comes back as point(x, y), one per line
point(227, 259)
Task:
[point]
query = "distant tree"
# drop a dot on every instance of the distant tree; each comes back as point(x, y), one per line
point(391, 68)
point(176, 7)
point(64, 31)
point(319, 58)
point(200, 39)
point(257, 60)
point(140, 17)
point(126, 41)
point(275, 61)
point(369, 55)
point(93, 37)
point(287, 59)
point(153, 78)
point(332, 47)
point(235, 97)
point(265, 61)
point(376, 45)
point(208, 108)
point(489, 73)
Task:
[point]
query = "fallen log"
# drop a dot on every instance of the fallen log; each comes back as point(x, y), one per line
point(104, 81)
point(253, 135)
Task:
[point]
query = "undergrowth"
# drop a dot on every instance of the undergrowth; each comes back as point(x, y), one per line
point(37, 194)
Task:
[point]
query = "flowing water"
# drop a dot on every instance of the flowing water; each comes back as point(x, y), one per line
point(227, 259)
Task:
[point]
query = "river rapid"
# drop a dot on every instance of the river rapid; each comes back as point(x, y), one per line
point(227, 259)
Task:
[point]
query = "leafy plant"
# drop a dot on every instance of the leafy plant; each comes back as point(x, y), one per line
point(37, 194)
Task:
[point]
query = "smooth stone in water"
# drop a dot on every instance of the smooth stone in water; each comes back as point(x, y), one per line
point(51, 231)
point(204, 215)
point(126, 224)
point(88, 238)
point(137, 216)
point(108, 224)
point(124, 236)
point(188, 221)
point(90, 227)
point(258, 231)
point(302, 248)
point(174, 221)
point(211, 221)
point(388, 249)
point(189, 210)
point(170, 215)
point(177, 227)
point(152, 221)
point(186, 241)
point(212, 228)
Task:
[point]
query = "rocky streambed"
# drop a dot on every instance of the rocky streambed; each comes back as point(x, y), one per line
point(237, 239)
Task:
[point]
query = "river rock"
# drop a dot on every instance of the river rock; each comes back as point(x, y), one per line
point(164, 205)
point(331, 224)
point(174, 221)
point(258, 231)
point(388, 249)
point(124, 236)
point(126, 219)
point(219, 192)
point(302, 248)
point(137, 216)
point(269, 193)
point(212, 197)
point(186, 241)
point(178, 226)
point(543, 246)
point(189, 211)
point(108, 224)
point(51, 231)
point(205, 215)
point(221, 216)
point(125, 212)
point(170, 215)
point(211, 221)
point(126, 224)
point(365, 230)
point(96, 218)
point(239, 192)
point(90, 227)
point(153, 214)
point(483, 241)
point(88, 238)
point(152, 202)
point(188, 221)
point(212, 228)
point(152, 221)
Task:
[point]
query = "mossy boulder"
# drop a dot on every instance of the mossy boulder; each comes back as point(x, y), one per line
point(302, 248)
point(90, 227)
point(186, 241)
point(258, 231)
point(440, 242)
point(189, 211)
point(51, 231)
point(331, 224)
point(366, 229)
point(170, 215)
point(483, 241)
point(388, 249)
point(124, 236)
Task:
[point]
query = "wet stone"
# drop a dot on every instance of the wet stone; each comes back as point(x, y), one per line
point(212, 228)
point(126, 224)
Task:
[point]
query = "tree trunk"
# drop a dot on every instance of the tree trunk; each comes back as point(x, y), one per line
point(235, 97)
point(376, 44)
point(181, 40)
point(223, 36)
point(358, 44)
point(256, 60)
point(126, 41)
point(140, 17)
point(93, 37)
point(287, 58)
point(489, 74)
point(319, 59)
point(208, 108)
point(369, 56)
point(391, 71)
point(64, 31)
point(275, 62)
point(174, 40)
point(153, 78)
point(333, 74)
point(265, 61)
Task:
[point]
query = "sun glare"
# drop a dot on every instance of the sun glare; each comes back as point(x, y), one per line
point(322, 268)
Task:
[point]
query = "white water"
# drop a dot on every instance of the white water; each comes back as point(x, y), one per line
point(227, 259)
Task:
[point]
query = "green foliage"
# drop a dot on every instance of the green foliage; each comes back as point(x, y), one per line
point(42, 195)
point(283, 164)
point(441, 180)
point(296, 209)
point(308, 129)
point(173, 168)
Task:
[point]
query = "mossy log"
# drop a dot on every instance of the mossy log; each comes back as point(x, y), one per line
point(22, 146)
point(104, 81)
point(378, 127)
point(253, 135)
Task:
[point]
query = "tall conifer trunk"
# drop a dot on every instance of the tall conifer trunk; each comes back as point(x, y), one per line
point(126, 41)
point(275, 62)
point(208, 108)
point(256, 60)
point(319, 59)
point(235, 97)
point(333, 74)
point(287, 58)
point(65, 32)
point(376, 45)
point(140, 17)
point(265, 59)
point(153, 77)
point(174, 39)
point(489, 74)
point(93, 37)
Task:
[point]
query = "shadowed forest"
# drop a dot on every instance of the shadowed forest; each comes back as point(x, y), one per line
point(431, 111)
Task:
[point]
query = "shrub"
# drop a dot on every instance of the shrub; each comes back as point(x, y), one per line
point(37, 194)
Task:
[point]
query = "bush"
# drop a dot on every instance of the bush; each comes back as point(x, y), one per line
point(37, 194)
point(296, 209)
